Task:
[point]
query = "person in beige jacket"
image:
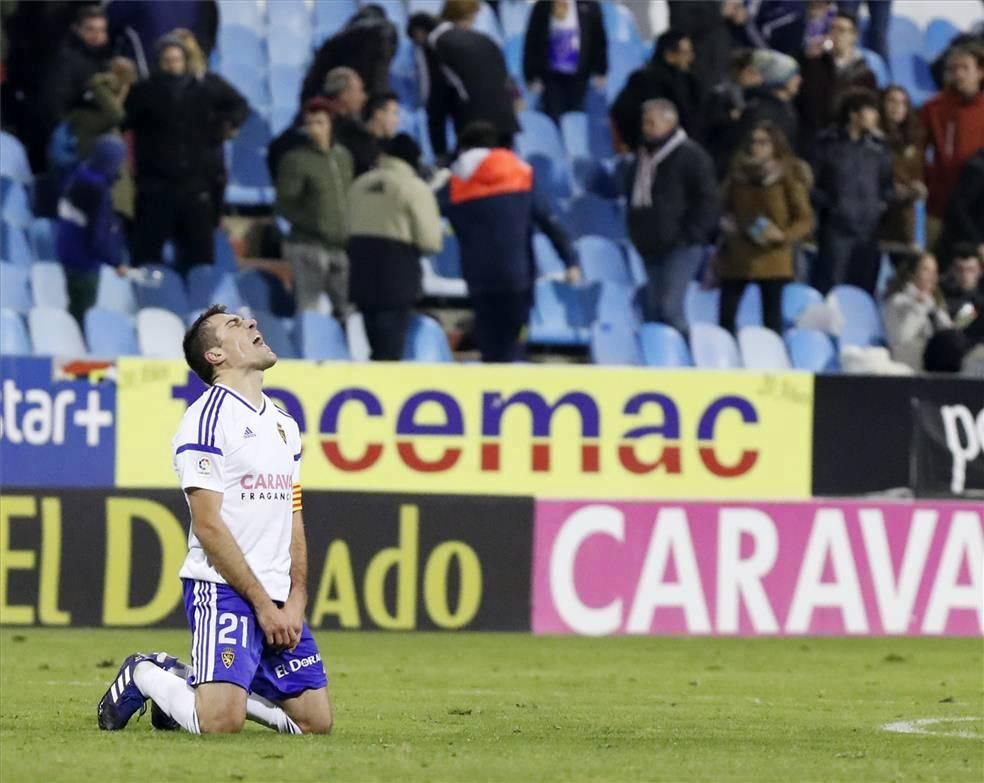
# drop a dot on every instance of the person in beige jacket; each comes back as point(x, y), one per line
point(914, 310)
point(394, 220)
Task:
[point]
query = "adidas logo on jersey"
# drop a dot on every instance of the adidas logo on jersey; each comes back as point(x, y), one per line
point(249, 433)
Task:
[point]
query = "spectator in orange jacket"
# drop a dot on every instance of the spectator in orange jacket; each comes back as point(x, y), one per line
point(954, 122)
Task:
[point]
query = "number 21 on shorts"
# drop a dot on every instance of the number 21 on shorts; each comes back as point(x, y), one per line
point(228, 623)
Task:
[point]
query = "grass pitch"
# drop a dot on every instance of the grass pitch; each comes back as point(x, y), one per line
point(461, 707)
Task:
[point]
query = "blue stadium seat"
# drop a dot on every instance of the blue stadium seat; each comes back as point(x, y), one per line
point(256, 289)
point(878, 67)
point(275, 334)
point(289, 45)
point(13, 159)
point(904, 36)
point(245, 13)
point(437, 286)
point(749, 307)
point(331, 15)
point(110, 333)
point(637, 267)
point(285, 85)
point(591, 214)
point(701, 305)
point(862, 321)
point(911, 71)
point(623, 60)
point(55, 333)
point(713, 348)
point(115, 292)
point(939, 33)
point(427, 342)
point(290, 15)
point(48, 285)
point(432, 7)
point(797, 297)
point(762, 349)
point(512, 50)
point(586, 136)
point(355, 334)
point(224, 254)
point(514, 16)
point(548, 261)
point(551, 175)
point(611, 303)
point(560, 314)
point(602, 259)
point(249, 79)
point(250, 180)
point(15, 288)
point(614, 344)
point(282, 117)
point(169, 293)
point(208, 285)
point(541, 137)
point(396, 12)
point(320, 338)
point(447, 263)
point(16, 207)
point(14, 339)
point(238, 44)
point(663, 346)
point(44, 239)
point(15, 246)
point(160, 333)
point(487, 23)
point(811, 349)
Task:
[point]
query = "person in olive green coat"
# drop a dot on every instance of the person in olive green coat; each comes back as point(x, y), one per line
point(313, 180)
point(767, 211)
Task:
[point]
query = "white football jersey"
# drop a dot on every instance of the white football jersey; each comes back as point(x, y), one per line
point(253, 457)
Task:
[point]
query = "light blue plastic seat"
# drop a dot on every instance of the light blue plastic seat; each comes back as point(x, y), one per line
point(713, 348)
point(160, 333)
point(255, 288)
point(48, 285)
point(447, 263)
point(539, 135)
point(586, 136)
point(623, 60)
point(862, 321)
point(208, 285)
point(320, 338)
point(275, 334)
point(797, 297)
point(14, 339)
point(289, 45)
point(250, 177)
point(110, 333)
point(614, 344)
point(904, 35)
point(939, 33)
point(749, 307)
point(13, 159)
point(395, 11)
point(514, 16)
point(55, 333)
point(43, 238)
point(548, 261)
point(285, 85)
point(701, 305)
point(612, 303)
point(762, 349)
point(15, 246)
point(427, 342)
point(512, 50)
point(663, 346)
point(591, 214)
point(249, 79)
point(330, 16)
point(238, 44)
point(911, 71)
point(602, 259)
point(559, 315)
point(115, 292)
point(288, 14)
point(244, 13)
point(878, 67)
point(225, 255)
point(432, 7)
point(16, 206)
point(15, 287)
point(168, 293)
point(811, 349)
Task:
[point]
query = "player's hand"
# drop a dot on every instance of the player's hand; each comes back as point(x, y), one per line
point(275, 625)
point(294, 609)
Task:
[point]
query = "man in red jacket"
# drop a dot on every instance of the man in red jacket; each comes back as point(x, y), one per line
point(954, 122)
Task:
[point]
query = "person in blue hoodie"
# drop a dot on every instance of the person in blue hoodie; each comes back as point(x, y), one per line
point(89, 233)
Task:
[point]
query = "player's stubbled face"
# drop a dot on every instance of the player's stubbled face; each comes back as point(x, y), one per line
point(242, 343)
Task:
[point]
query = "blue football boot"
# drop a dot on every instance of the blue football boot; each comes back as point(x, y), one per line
point(124, 698)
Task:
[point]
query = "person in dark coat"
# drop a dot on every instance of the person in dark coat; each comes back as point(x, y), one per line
point(724, 116)
point(773, 99)
point(84, 54)
point(879, 16)
point(467, 80)
point(708, 24)
point(176, 121)
point(674, 207)
point(962, 221)
point(493, 207)
point(565, 46)
point(964, 293)
point(668, 76)
point(853, 189)
point(136, 26)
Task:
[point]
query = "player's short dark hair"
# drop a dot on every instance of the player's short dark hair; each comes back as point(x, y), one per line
point(198, 339)
point(854, 100)
point(377, 101)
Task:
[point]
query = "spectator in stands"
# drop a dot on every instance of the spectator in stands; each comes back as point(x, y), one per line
point(773, 99)
point(673, 209)
point(312, 185)
point(565, 47)
point(964, 292)
point(493, 207)
point(88, 232)
point(382, 116)
point(829, 67)
point(84, 54)
point(914, 310)
point(879, 16)
point(962, 223)
point(974, 39)
point(176, 121)
point(779, 25)
point(367, 45)
point(667, 76)
point(394, 220)
point(904, 139)
point(853, 189)
point(954, 122)
point(465, 77)
point(726, 109)
point(227, 125)
point(767, 211)
point(709, 24)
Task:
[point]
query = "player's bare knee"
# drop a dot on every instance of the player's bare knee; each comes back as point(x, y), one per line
point(222, 723)
point(318, 725)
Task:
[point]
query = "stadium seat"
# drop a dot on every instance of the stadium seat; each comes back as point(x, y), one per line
point(320, 338)
point(14, 339)
point(614, 344)
point(862, 321)
point(249, 79)
point(594, 175)
point(238, 44)
point(256, 289)
point(701, 305)
point(13, 159)
point(560, 315)
point(796, 297)
point(611, 303)
point(115, 292)
point(939, 33)
point(663, 346)
point(168, 293)
point(48, 285)
point(811, 349)
point(225, 254)
point(275, 334)
point(591, 214)
point(427, 342)
point(514, 16)
point(878, 67)
point(749, 307)
point(44, 240)
point(512, 50)
point(282, 117)
point(160, 333)
point(289, 15)
point(447, 263)
point(396, 12)
point(551, 175)
point(904, 36)
point(16, 207)
point(285, 85)
point(432, 7)
point(623, 60)
point(244, 13)
point(713, 348)
point(289, 45)
point(15, 246)
point(602, 259)
point(55, 333)
point(438, 286)
point(355, 334)
point(110, 333)
point(15, 288)
point(548, 261)
point(208, 285)
point(250, 178)
point(762, 349)
point(330, 16)
point(637, 267)
point(911, 71)
point(585, 136)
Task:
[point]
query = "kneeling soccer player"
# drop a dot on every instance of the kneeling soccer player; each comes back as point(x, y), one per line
point(237, 456)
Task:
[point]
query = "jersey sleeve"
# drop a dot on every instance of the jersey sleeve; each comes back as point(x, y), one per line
point(199, 460)
point(296, 489)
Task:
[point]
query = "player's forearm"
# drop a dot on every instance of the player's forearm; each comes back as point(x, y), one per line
point(228, 559)
point(298, 559)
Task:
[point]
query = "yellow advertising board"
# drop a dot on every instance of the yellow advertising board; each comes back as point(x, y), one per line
point(542, 431)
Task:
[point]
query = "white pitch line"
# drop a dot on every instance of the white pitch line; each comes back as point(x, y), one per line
point(917, 727)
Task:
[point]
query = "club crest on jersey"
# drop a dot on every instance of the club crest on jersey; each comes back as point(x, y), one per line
point(228, 656)
point(204, 466)
point(283, 435)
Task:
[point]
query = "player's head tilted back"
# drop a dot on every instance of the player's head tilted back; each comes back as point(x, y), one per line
point(222, 343)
